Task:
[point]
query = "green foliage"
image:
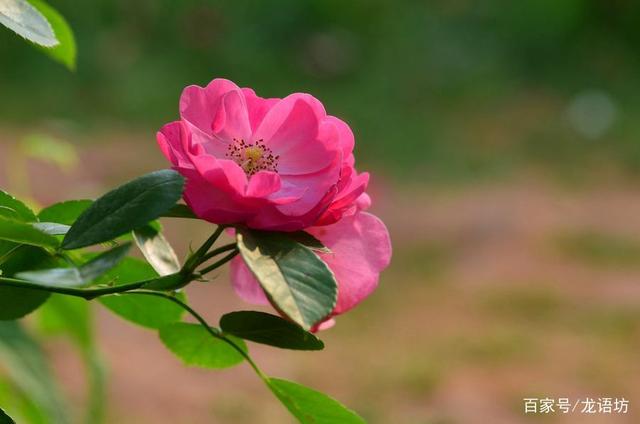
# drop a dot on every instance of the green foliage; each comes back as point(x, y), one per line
point(15, 209)
point(80, 276)
point(65, 212)
point(268, 329)
point(26, 364)
point(157, 250)
point(34, 265)
point(70, 316)
point(23, 18)
point(180, 211)
point(17, 302)
point(310, 406)
point(150, 312)
point(65, 51)
point(309, 241)
point(196, 347)
point(5, 419)
point(297, 281)
point(147, 311)
point(126, 208)
point(20, 232)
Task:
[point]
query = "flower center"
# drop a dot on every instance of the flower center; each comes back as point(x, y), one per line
point(252, 157)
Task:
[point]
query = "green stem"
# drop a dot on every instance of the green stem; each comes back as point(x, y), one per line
point(194, 260)
point(216, 252)
point(214, 332)
point(219, 263)
point(87, 294)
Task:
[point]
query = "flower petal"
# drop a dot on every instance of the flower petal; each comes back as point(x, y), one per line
point(231, 120)
point(257, 107)
point(292, 130)
point(360, 250)
point(199, 105)
point(245, 284)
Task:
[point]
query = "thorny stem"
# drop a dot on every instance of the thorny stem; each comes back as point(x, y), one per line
point(215, 332)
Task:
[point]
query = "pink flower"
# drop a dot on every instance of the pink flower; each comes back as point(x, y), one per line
point(360, 250)
point(273, 164)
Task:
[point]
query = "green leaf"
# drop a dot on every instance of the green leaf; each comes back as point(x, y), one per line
point(180, 211)
point(81, 276)
point(26, 21)
point(20, 232)
point(24, 361)
point(65, 52)
point(18, 210)
point(147, 311)
point(126, 208)
point(309, 241)
point(71, 316)
point(157, 250)
point(310, 406)
point(12, 209)
point(15, 302)
point(23, 257)
point(52, 228)
point(298, 282)
point(5, 419)
point(268, 329)
point(67, 315)
point(65, 213)
point(197, 347)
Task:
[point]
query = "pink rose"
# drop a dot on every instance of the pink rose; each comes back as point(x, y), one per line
point(272, 164)
point(360, 250)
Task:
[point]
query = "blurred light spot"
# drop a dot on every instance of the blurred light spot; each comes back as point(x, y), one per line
point(592, 113)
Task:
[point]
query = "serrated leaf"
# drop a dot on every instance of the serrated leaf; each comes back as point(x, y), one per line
point(296, 280)
point(157, 250)
point(65, 51)
point(26, 21)
point(310, 406)
point(272, 330)
point(128, 207)
point(18, 209)
point(197, 347)
point(81, 276)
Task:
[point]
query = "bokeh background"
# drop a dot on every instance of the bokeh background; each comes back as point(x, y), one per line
point(503, 141)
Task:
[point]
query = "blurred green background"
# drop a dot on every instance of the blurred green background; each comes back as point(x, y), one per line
point(504, 140)
point(449, 89)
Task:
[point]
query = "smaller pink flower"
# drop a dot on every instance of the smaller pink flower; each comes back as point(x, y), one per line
point(271, 164)
point(360, 251)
